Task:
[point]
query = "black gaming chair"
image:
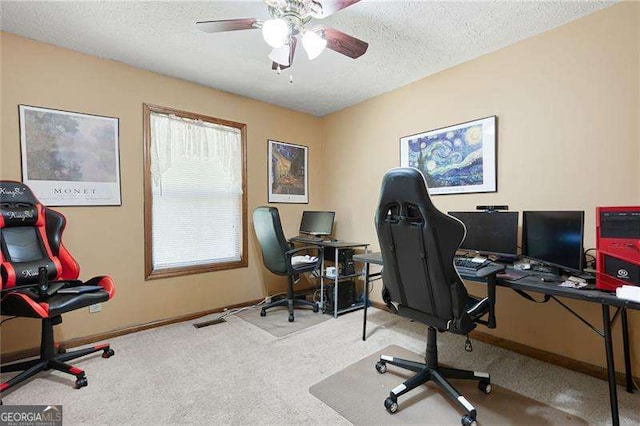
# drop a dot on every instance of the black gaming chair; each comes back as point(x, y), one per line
point(277, 254)
point(418, 244)
point(39, 280)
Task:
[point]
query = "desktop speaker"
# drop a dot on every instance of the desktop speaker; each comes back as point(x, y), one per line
point(617, 247)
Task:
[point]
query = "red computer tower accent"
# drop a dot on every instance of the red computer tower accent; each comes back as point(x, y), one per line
point(617, 247)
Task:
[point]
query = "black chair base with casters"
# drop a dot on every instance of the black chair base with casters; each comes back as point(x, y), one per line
point(418, 244)
point(278, 254)
point(431, 371)
point(52, 358)
point(38, 278)
point(290, 302)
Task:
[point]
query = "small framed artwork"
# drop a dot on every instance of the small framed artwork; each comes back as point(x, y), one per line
point(458, 159)
point(69, 158)
point(288, 178)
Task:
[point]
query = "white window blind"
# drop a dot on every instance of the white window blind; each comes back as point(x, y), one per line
point(196, 189)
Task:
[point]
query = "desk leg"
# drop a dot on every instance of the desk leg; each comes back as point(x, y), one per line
point(627, 356)
point(322, 269)
point(366, 301)
point(611, 370)
point(336, 263)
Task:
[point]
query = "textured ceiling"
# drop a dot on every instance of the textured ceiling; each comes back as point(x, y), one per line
point(408, 40)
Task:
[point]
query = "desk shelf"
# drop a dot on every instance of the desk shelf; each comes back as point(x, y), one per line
point(336, 247)
point(342, 277)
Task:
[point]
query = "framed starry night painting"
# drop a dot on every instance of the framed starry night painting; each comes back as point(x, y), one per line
point(457, 159)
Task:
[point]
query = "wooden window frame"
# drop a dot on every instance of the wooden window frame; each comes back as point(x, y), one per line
point(150, 272)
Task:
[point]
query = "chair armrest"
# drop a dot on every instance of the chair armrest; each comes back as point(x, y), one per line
point(319, 253)
point(490, 274)
point(53, 287)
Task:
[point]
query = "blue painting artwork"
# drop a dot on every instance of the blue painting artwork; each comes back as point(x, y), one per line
point(451, 158)
point(455, 159)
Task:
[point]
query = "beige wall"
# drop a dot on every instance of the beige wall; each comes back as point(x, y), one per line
point(568, 105)
point(568, 110)
point(109, 240)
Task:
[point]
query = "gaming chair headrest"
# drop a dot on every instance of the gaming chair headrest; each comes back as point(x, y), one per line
point(404, 184)
point(19, 204)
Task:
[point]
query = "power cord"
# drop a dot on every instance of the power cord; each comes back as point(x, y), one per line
point(229, 312)
point(589, 259)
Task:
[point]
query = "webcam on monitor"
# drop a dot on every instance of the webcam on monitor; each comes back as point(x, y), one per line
point(492, 208)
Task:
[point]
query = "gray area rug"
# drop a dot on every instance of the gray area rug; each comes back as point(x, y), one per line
point(277, 322)
point(358, 393)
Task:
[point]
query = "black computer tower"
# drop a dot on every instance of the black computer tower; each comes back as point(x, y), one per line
point(345, 265)
point(346, 295)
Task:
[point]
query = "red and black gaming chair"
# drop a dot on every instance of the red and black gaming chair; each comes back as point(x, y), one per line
point(35, 268)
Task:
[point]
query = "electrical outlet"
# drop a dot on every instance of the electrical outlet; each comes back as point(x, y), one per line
point(95, 308)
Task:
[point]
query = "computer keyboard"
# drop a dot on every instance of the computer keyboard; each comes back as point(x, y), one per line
point(466, 266)
point(306, 239)
point(467, 262)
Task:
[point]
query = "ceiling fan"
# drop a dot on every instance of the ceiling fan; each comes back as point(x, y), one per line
point(289, 20)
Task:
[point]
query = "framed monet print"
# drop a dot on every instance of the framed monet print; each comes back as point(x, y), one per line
point(288, 173)
point(456, 159)
point(69, 158)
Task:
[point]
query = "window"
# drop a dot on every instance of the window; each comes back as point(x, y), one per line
point(195, 193)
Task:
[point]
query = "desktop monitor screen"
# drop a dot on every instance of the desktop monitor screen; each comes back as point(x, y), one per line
point(490, 232)
point(317, 223)
point(554, 237)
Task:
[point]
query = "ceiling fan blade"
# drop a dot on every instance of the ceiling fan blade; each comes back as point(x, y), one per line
point(227, 25)
point(329, 7)
point(292, 51)
point(344, 43)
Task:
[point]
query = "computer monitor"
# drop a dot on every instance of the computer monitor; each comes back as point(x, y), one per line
point(490, 233)
point(554, 238)
point(317, 223)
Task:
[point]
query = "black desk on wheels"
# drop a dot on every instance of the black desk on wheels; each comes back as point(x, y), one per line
point(551, 290)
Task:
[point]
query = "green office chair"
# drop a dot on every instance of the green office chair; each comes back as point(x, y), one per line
point(277, 254)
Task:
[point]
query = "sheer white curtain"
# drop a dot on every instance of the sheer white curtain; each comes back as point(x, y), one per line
point(196, 180)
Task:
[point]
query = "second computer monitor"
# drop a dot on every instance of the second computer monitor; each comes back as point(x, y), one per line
point(491, 233)
point(554, 237)
point(317, 223)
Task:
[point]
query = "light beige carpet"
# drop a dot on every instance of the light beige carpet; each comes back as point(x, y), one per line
point(358, 393)
point(277, 322)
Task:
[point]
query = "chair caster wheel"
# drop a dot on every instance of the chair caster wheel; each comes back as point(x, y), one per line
point(391, 405)
point(467, 420)
point(263, 313)
point(108, 353)
point(60, 350)
point(484, 386)
point(316, 309)
point(381, 367)
point(290, 317)
point(81, 382)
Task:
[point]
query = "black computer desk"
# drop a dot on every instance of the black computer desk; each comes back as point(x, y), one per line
point(552, 291)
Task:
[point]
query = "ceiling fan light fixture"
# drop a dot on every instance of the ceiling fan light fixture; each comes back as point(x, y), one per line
point(275, 32)
point(313, 44)
point(280, 55)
